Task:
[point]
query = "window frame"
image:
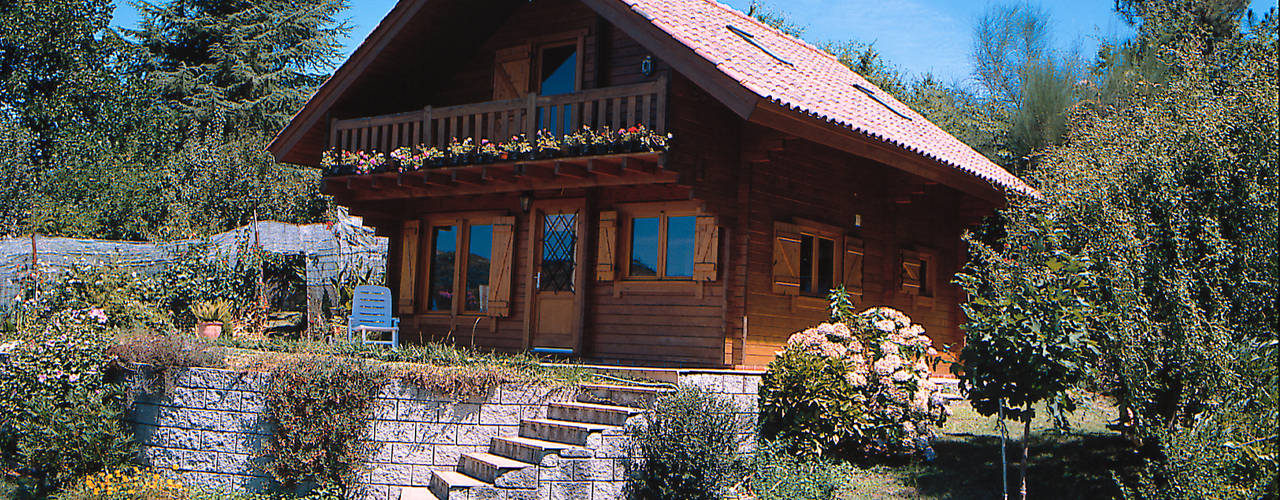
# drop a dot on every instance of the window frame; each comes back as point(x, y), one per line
point(462, 224)
point(834, 234)
point(575, 39)
point(664, 212)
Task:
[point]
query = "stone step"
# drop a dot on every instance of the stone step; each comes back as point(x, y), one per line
point(528, 450)
point(560, 431)
point(621, 395)
point(591, 413)
point(451, 485)
point(488, 467)
point(416, 493)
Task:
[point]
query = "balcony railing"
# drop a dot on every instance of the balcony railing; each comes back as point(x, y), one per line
point(609, 107)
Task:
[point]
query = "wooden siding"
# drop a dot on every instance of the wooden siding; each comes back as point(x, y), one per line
point(792, 179)
point(746, 175)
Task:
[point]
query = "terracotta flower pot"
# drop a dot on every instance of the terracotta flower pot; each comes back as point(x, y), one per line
point(209, 329)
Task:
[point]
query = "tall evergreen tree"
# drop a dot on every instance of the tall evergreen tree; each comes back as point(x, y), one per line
point(248, 64)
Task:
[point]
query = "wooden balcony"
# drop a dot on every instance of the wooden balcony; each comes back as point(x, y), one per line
point(609, 107)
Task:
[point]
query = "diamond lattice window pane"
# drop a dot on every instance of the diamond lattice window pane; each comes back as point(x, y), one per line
point(559, 245)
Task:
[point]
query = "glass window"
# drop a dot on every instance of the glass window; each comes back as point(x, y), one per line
point(559, 70)
point(826, 266)
point(479, 251)
point(444, 243)
point(680, 246)
point(559, 257)
point(644, 247)
point(806, 264)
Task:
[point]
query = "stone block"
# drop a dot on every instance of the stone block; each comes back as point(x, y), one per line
point(447, 454)
point(165, 458)
point(436, 433)
point(393, 431)
point(526, 478)
point(460, 413)
point(183, 438)
point(751, 384)
point(206, 378)
point(476, 434)
point(391, 474)
point(384, 409)
point(609, 490)
point(520, 394)
point(564, 470)
point(235, 463)
point(421, 475)
point(594, 470)
point(253, 402)
point(204, 461)
point(708, 382)
point(413, 454)
point(397, 390)
point(570, 491)
point(222, 400)
point(614, 447)
point(499, 414)
point(413, 410)
point(226, 442)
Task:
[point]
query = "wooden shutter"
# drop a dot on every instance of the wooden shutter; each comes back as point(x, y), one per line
point(706, 244)
point(502, 266)
point(511, 73)
point(912, 272)
point(854, 252)
point(606, 259)
point(408, 265)
point(786, 258)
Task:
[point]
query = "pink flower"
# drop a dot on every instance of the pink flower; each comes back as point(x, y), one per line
point(73, 377)
point(98, 314)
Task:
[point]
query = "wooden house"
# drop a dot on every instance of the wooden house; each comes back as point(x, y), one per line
point(786, 174)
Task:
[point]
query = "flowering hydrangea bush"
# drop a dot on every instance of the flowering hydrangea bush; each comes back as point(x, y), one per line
point(60, 416)
point(855, 388)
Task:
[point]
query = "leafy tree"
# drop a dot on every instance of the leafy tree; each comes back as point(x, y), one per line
point(775, 18)
point(1027, 324)
point(1031, 84)
point(1171, 191)
point(53, 68)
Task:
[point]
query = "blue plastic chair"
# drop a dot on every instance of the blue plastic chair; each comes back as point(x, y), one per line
point(371, 312)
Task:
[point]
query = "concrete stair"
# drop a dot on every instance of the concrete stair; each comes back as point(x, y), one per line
point(575, 444)
point(635, 397)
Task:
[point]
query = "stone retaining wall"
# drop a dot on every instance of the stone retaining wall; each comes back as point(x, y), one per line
point(209, 427)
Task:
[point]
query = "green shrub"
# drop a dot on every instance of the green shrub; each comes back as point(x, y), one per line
point(857, 389)
point(777, 474)
point(806, 401)
point(319, 408)
point(688, 445)
point(133, 483)
point(60, 417)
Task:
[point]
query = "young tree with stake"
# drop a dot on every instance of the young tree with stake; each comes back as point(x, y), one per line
point(1026, 336)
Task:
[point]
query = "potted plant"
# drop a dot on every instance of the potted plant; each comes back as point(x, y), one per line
point(211, 316)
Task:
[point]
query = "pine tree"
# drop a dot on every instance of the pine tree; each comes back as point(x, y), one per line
point(247, 64)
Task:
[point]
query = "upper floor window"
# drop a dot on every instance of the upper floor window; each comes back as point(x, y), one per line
point(558, 68)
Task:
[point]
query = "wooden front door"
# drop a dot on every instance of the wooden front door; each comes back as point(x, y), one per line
point(556, 309)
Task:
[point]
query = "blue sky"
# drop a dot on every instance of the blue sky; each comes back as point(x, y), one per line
point(916, 35)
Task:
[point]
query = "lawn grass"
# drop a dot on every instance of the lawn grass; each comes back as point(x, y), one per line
point(1076, 464)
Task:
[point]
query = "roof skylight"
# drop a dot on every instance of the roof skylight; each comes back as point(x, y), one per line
point(751, 39)
point(871, 93)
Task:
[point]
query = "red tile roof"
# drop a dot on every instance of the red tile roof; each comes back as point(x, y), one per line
point(811, 81)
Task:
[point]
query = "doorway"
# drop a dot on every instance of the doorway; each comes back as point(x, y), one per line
point(556, 309)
